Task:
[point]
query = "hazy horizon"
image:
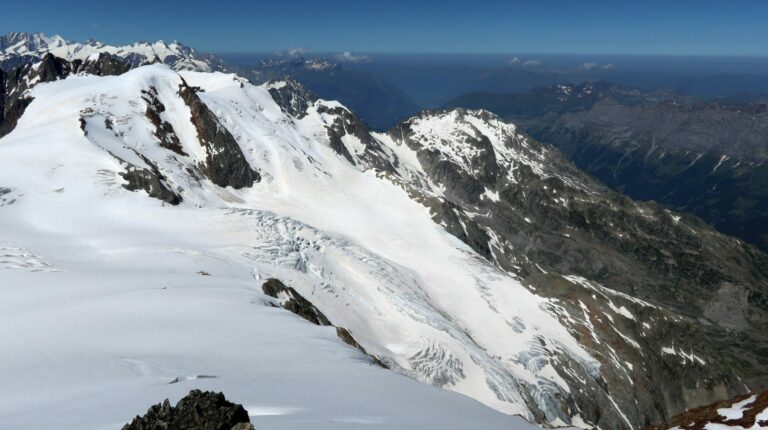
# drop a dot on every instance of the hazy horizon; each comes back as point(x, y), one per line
point(655, 27)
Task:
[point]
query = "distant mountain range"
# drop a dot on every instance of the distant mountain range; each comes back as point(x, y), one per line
point(376, 101)
point(379, 103)
point(708, 158)
point(20, 48)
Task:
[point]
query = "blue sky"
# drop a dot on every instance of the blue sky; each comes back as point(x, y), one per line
point(671, 27)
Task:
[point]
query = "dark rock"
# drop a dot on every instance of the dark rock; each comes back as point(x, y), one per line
point(292, 97)
point(104, 65)
point(294, 302)
point(225, 165)
point(152, 181)
point(163, 130)
point(291, 300)
point(348, 124)
point(708, 416)
point(347, 338)
point(197, 411)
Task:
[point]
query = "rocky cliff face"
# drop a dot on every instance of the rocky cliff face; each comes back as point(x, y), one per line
point(225, 165)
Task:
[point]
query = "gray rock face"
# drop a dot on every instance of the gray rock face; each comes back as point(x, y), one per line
point(197, 411)
point(164, 131)
point(291, 96)
point(151, 181)
point(348, 124)
point(294, 302)
point(637, 285)
point(225, 166)
point(289, 299)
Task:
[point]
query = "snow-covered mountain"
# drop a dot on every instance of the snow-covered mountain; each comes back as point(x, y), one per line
point(142, 212)
point(21, 48)
point(358, 247)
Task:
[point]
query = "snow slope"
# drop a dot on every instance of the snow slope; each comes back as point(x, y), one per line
point(103, 303)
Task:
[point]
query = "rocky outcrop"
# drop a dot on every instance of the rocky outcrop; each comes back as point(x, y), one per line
point(748, 411)
point(293, 301)
point(150, 181)
point(197, 411)
point(345, 123)
point(289, 299)
point(164, 131)
point(103, 65)
point(351, 138)
point(292, 97)
point(225, 164)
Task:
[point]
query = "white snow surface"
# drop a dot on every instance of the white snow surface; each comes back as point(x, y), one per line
point(736, 411)
point(102, 304)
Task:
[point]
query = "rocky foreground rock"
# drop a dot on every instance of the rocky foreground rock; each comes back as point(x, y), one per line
point(749, 411)
point(197, 411)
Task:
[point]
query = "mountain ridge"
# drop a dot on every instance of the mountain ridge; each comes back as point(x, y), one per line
point(21, 48)
point(521, 320)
